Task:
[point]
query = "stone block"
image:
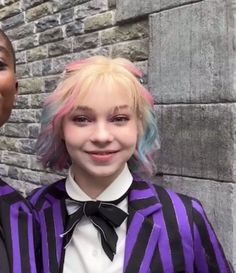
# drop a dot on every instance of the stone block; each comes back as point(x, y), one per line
point(22, 102)
point(26, 146)
point(74, 28)
point(3, 169)
point(8, 2)
point(218, 199)
point(29, 176)
point(137, 30)
point(134, 9)
point(15, 159)
point(134, 50)
point(197, 140)
point(37, 100)
point(26, 4)
point(188, 57)
point(31, 85)
point(51, 83)
point(85, 41)
point(47, 22)
point(22, 145)
point(25, 116)
point(60, 48)
point(15, 130)
point(37, 53)
point(104, 51)
point(27, 42)
point(37, 69)
point(38, 12)
point(67, 16)
point(22, 31)
point(58, 64)
point(20, 57)
point(33, 130)
point(8, 144)
point(59, 5)
point(99, 21)
point(10, 10)
point(35, 164)
point(13, 172)
point(12, 21)
point(47, 67)
point(93, 7)
point(51, 35)
point(23, 70)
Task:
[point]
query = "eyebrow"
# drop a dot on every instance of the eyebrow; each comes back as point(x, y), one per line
point(113, 109)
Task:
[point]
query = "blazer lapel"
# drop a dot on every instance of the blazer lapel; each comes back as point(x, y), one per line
point(52, 220)
point(142, 232)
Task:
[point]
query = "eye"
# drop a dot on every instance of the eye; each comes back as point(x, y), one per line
point(120, 119)
point(3, 65)
point(81, 120)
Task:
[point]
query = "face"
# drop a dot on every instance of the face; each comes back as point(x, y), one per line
point(8, 86)
point(101, 135)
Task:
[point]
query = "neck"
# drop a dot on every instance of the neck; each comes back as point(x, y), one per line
point(93, 186)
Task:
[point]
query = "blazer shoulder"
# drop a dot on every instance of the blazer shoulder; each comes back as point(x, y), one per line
point(48, 194)
point(10, 196)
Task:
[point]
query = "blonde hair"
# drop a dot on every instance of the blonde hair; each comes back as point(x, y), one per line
point(77, 79)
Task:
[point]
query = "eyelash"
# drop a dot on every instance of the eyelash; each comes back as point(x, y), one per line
point(84, 120)
point(120, 119)
point(2, 65)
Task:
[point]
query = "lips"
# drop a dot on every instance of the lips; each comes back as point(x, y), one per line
point(102, 156)
point(101, 152)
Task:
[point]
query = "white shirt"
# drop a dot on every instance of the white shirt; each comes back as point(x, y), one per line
point(84, 253)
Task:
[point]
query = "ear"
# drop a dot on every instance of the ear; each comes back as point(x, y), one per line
point(17, 85)
point(16, 90)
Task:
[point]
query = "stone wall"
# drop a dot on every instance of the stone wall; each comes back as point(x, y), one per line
point(186, 50)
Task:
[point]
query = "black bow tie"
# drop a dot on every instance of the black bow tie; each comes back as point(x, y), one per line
point(105, 216)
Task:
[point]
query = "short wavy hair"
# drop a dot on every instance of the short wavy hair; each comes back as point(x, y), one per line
point(77, 78)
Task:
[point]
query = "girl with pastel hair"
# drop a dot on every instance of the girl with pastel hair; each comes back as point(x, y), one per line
point(100, 124)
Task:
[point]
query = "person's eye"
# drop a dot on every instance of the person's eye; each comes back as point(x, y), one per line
point(120, 119)
point(3, 65)
point(81, 120)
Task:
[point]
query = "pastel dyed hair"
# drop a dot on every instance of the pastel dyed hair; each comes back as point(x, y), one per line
point(79, 77)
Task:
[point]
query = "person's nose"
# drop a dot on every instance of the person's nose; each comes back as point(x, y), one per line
point(102, 133)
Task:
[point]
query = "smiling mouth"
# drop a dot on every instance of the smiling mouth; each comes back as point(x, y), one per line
point(102, 153)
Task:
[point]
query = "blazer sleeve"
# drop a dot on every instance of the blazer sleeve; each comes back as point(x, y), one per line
point(208, 252)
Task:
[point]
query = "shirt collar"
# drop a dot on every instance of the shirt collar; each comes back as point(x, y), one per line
point(114, 191)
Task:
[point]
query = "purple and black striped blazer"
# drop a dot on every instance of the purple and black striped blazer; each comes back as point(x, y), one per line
point(166, 232)
point(17, 230)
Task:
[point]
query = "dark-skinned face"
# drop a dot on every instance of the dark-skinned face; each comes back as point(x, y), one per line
point(8, 83)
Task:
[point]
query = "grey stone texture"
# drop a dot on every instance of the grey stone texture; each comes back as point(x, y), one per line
point(186, 49)
point(132, 9)
point(194, 65)
point(197, 140)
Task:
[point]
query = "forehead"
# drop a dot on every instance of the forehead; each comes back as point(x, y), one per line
point(108, 95)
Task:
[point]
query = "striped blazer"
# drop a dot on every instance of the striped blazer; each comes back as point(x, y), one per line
point(17, 240)
point(166, 232)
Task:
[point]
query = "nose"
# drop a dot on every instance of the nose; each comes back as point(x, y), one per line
point(102, 133)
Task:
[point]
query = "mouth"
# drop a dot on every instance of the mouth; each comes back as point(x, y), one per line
point(101, 152)
point(102, 156)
